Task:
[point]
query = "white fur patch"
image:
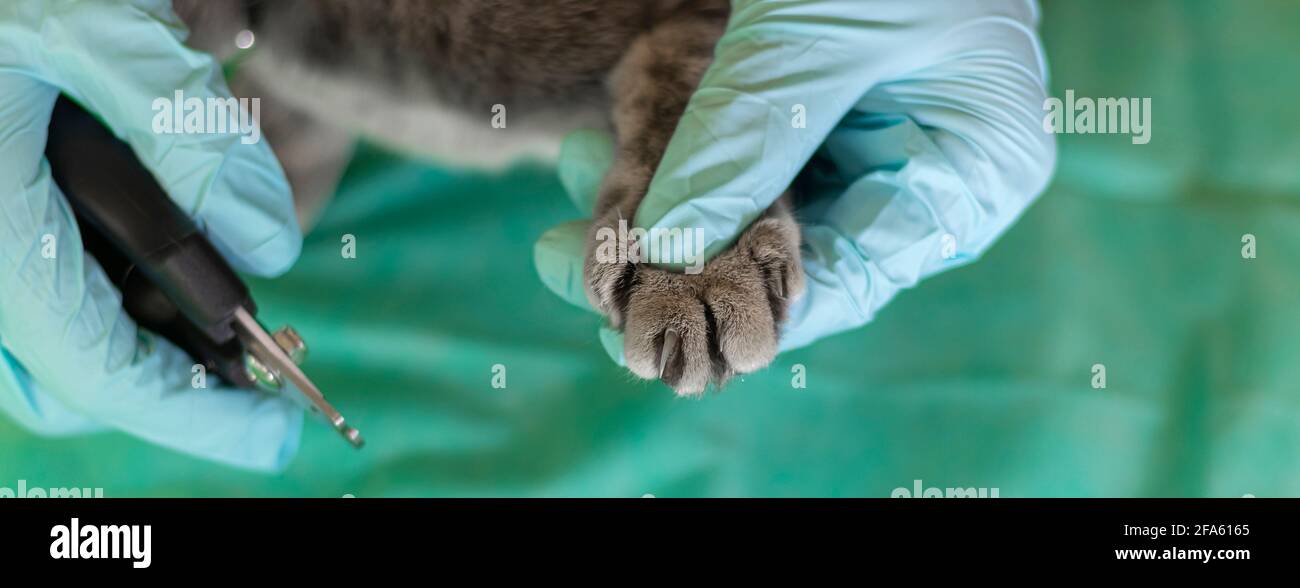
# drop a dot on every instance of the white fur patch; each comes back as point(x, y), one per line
point(415, 125)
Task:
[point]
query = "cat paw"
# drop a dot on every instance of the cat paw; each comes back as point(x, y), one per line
point(690, 330)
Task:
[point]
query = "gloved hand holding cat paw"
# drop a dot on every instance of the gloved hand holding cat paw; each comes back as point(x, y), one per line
point(914, 127)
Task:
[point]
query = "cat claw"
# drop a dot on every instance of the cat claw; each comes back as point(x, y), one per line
point(668, 350)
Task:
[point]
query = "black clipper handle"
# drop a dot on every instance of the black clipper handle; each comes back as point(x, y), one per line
point(173, 282)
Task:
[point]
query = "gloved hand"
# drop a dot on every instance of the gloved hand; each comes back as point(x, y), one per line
point(919, 125)
point(70, 358)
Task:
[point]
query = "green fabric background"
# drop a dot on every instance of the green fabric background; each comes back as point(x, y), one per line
point(980, 378)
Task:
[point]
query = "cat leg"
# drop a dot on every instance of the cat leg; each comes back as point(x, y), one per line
point(313, 152)
point(685, 329)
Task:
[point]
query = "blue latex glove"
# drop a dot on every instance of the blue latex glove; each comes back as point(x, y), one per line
point(70, 358)
point(923, 142)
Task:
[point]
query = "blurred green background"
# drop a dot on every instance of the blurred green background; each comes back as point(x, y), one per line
point(980, 378)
